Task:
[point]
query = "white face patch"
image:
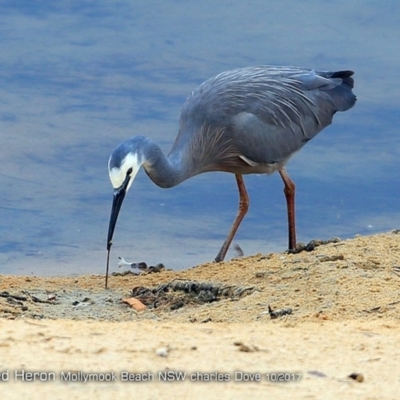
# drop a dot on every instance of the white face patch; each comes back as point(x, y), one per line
point(118, 175)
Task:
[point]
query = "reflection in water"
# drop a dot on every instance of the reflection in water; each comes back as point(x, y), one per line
point(77, 79)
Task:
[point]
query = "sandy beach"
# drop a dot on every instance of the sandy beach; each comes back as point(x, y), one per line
point(271, 325)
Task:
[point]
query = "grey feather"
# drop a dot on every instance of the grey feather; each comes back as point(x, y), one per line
point(262, 113)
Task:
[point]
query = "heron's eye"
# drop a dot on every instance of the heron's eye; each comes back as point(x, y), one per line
point(129, 172)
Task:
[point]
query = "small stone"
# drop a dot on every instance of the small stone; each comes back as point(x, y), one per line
point(317, 373)
point(243, 347)
point(162, 351)
point(357, 377)
point(248, 349)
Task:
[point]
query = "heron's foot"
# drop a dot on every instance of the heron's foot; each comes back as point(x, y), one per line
point(221, 254)
point(310, 246)
point(297, 249)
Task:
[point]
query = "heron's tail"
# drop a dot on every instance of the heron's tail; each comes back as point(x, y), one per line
point(342, 95)
point(346, 76)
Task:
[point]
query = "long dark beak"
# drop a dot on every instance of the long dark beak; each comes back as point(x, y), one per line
point(119, 195)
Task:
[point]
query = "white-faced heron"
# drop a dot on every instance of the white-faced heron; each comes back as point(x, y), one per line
point(244, 121)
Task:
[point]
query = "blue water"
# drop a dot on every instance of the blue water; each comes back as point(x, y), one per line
point(79, 77)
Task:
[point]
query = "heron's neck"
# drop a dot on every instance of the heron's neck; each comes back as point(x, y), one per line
point(164, 171)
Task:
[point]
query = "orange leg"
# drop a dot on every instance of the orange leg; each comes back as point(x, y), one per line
point(243, 207)
point(289, 191)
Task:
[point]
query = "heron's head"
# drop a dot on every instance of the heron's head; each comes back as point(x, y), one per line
point(123, 165)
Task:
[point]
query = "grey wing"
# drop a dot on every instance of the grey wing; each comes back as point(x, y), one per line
point(289, 114)
point(258, 116)
point(268, 113)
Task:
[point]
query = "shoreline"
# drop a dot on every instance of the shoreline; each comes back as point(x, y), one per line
point(345, 312)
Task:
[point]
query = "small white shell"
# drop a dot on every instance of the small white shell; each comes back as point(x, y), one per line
point(162, 351)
